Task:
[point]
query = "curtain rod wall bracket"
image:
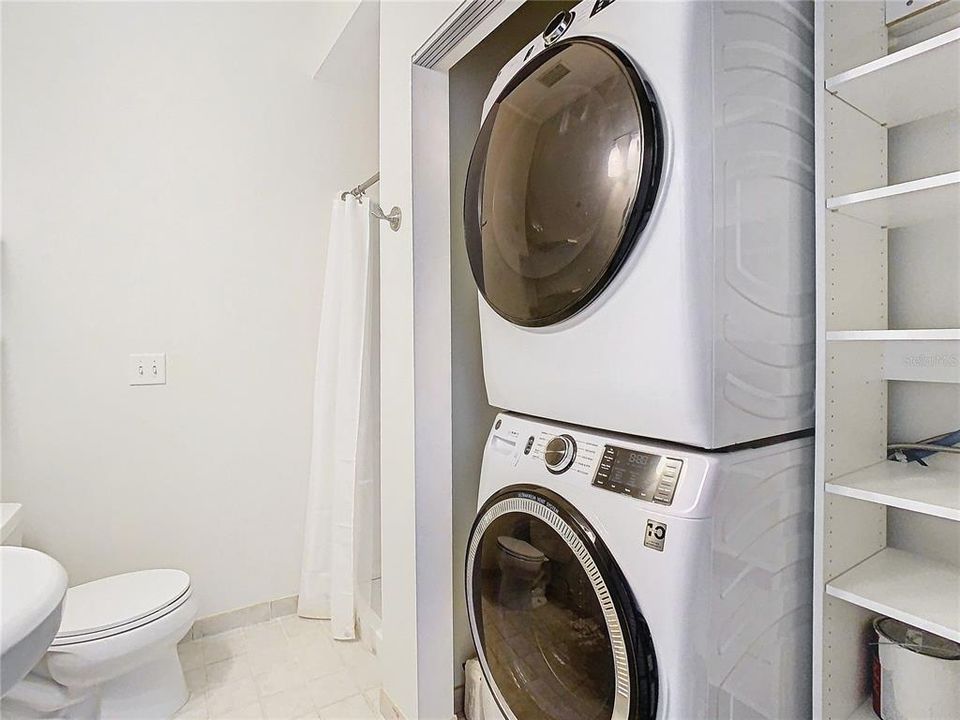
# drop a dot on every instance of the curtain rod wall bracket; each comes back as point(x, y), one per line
point(393, 217)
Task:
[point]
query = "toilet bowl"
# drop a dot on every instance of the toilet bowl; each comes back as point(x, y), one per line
point(115, 655)
point(522, 573)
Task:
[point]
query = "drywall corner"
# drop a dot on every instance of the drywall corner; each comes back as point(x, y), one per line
point(334, 22)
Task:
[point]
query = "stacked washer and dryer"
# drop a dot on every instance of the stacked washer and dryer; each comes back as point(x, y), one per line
point(640, 224)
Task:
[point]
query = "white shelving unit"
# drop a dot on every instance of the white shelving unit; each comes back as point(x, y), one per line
point(903, 204)
point(887, 89)
point(921, 355)
point(887, 534)
point(922, 335)
point(908, 486)
point(906, 586)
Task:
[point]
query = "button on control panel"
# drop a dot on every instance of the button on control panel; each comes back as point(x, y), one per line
point(669, 476)
point(640, 475)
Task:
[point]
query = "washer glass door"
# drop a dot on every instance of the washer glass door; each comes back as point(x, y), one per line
point(555, 629)
point(561, 182)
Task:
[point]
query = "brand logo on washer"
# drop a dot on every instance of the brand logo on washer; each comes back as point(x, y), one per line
point(656, 535)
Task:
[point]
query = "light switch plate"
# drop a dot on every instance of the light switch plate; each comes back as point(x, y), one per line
point(148, 369)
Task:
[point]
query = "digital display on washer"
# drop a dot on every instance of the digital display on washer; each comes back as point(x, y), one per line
point(638, 474)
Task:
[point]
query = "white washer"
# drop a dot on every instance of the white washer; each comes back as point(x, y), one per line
point(639, 218)
point(613, 579)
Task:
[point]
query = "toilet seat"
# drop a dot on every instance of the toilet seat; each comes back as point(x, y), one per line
point(520, 549)
point(115, 605)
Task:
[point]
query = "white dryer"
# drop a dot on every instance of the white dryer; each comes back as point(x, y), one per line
point(639, 219)
point(608, 578)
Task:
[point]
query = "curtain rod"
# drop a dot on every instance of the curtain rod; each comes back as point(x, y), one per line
point(393, 217)
point(360, 189)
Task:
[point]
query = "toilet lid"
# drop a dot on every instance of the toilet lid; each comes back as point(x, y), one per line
point(520, 548)
point(120, 600)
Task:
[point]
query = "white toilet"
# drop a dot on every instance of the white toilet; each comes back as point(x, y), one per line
point(522, 574)
point(115, 655)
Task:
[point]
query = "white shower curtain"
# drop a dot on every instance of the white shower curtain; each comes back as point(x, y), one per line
point(346, 449)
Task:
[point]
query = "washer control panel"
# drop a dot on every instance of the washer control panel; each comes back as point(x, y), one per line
point(641, 475)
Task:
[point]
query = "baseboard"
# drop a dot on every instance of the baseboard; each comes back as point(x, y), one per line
point(388, 709)
point(242, 617)
point(368, 629)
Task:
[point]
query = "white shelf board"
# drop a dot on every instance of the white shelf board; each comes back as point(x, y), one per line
point(924, 355)
point(904, 485)
point(913, 83)
point(864, 712)
point(936, 361)
point(893, 335)
point(911, 588)
point(905, 203)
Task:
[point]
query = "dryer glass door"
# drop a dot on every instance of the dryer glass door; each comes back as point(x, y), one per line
point(561, 182)
point(555, 625)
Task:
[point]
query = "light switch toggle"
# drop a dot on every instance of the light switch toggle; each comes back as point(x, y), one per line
point(148, 369)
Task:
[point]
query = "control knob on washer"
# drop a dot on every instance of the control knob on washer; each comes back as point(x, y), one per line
point(559, 453)
point(557, 27)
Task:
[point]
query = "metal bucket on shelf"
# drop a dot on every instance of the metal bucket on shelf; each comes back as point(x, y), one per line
point(917, 676)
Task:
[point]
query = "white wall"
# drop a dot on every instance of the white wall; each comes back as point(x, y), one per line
point(406, 25)
point(167, 171)
point(350, 73)
point(332, 23)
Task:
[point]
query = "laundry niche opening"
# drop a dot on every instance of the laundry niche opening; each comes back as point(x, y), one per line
point(470, 81)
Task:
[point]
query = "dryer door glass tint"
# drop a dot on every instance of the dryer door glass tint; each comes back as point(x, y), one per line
point(561, 182)
point(544, 637)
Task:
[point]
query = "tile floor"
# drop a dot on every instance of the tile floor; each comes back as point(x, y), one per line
point(284, 669)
